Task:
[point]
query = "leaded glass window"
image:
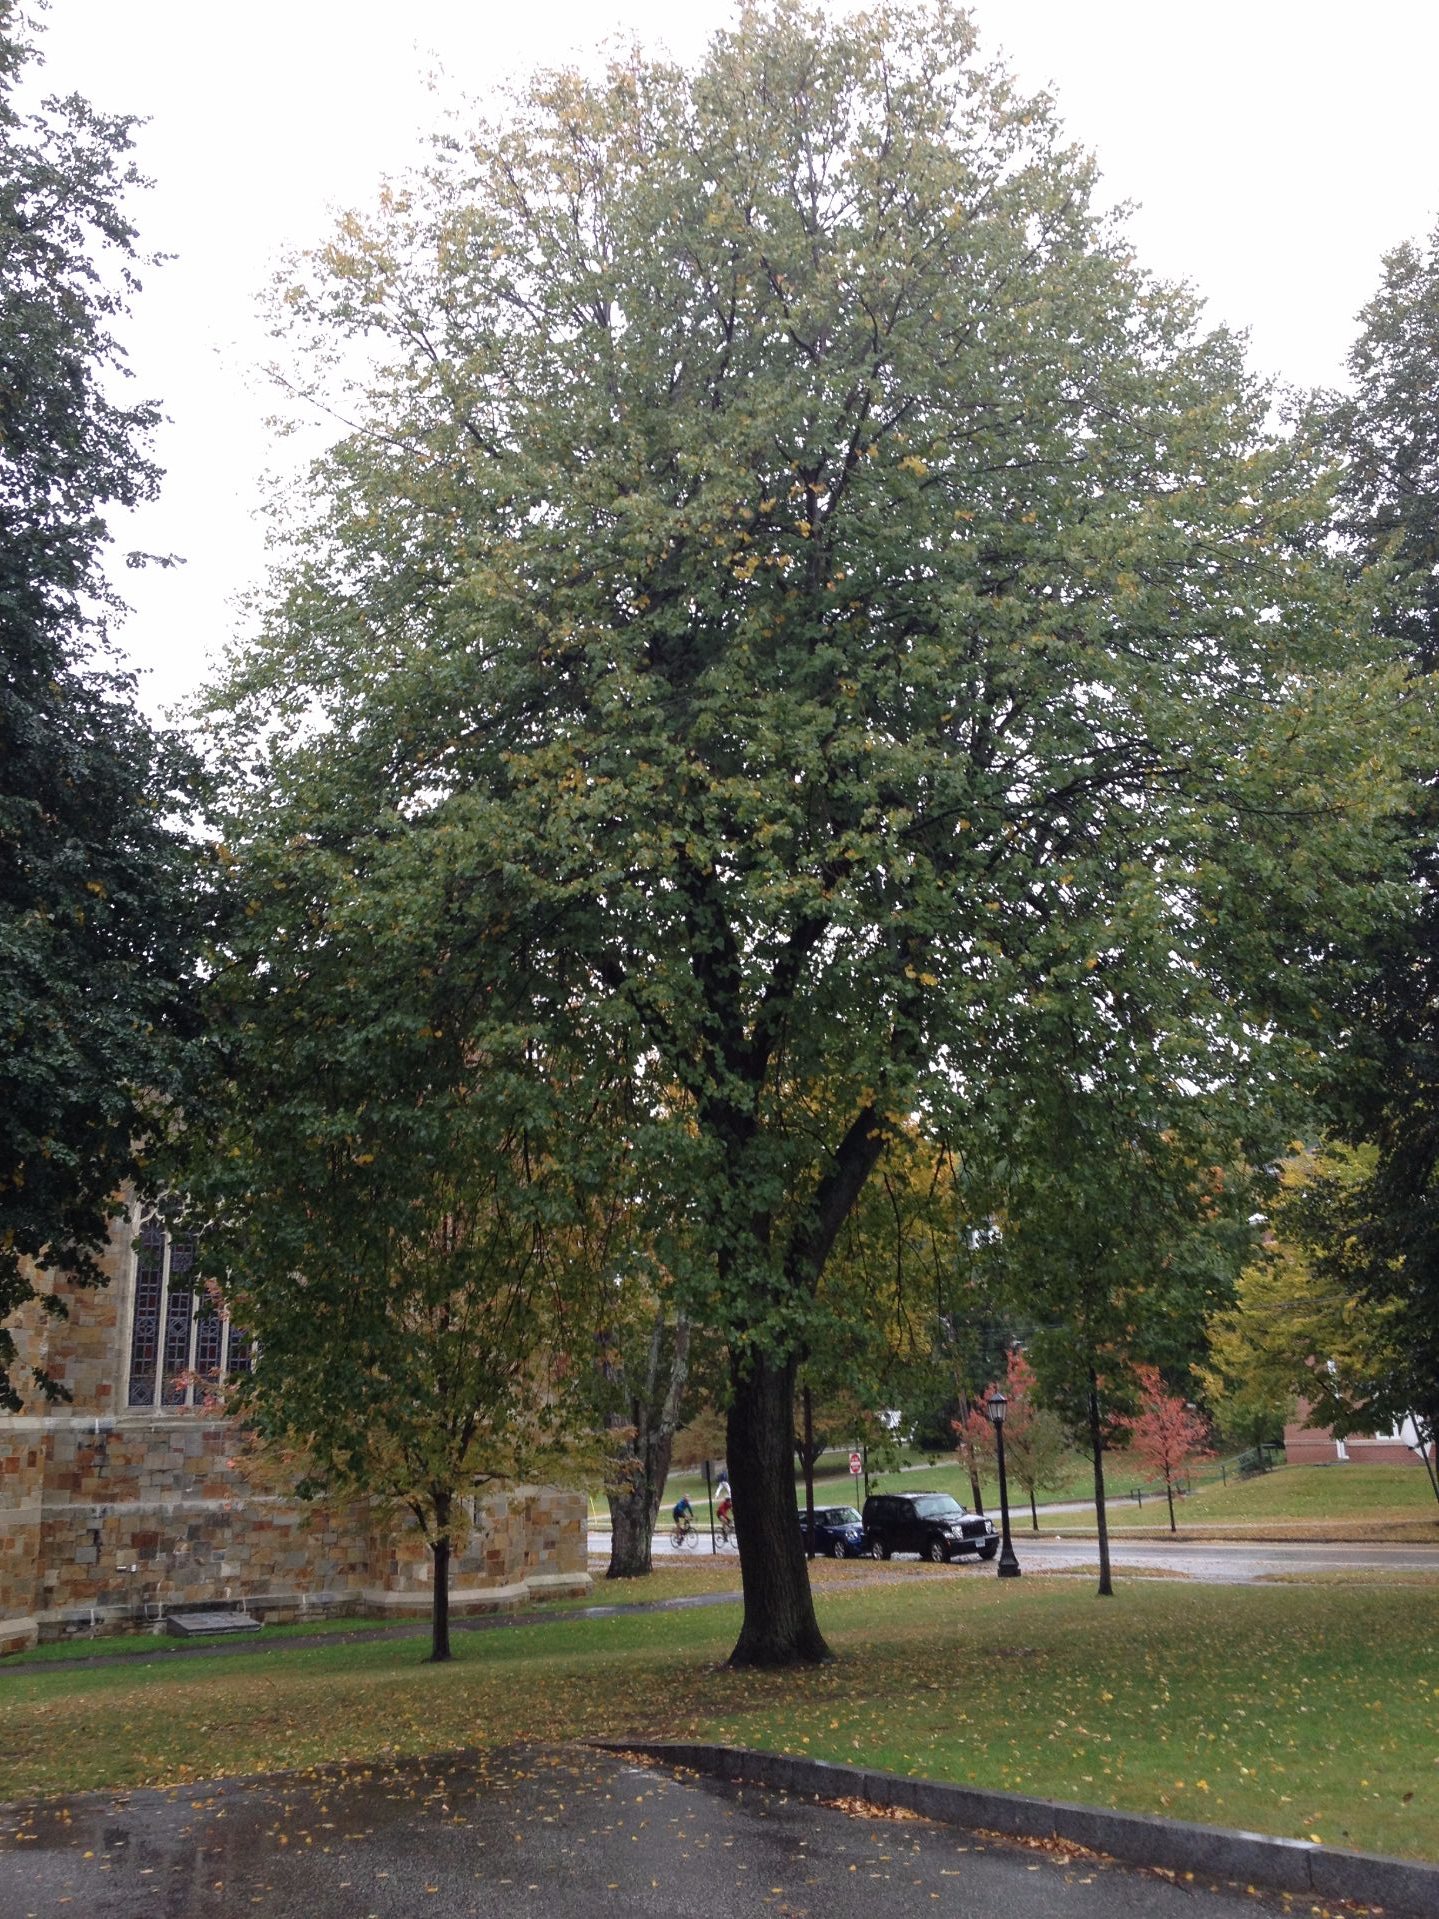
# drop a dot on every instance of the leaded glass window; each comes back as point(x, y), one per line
point(149, 1295)
point(181, 1340)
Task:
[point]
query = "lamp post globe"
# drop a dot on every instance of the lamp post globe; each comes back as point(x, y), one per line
point(996, 1406)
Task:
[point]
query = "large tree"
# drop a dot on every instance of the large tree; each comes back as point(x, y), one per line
point(1380, 1241)
point(833, 591)
point(94, 926)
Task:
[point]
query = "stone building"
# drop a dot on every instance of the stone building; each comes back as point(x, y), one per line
point(129, 1502)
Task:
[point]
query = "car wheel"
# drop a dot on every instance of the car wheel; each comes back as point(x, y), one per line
point(874, 1550)
point(836, 1551)
point(988, 1552)
point(935, 1552)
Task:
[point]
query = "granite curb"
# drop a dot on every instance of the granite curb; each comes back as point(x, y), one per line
point(1407, 1886)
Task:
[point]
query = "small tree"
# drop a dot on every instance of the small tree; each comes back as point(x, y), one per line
point(1168, 1434)
point(1120, 1230)
point(1035, 1442)
point(421, 1363)
point(412, 1219)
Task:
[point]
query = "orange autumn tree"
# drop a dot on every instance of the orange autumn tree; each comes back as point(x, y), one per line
point(1168, 1435)
point(1034, 1437)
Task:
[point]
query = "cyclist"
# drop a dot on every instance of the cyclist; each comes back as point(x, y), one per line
point(684, 1514)
point(724, 1505)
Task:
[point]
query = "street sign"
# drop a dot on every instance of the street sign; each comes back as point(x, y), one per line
point(856, 1464)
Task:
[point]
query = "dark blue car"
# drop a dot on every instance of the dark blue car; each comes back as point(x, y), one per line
point(838, 1532)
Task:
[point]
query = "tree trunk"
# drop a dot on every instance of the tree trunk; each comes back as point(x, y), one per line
point(1033, 1511)
point(635, 1503)
point(632, 1530)
point(780, 1628)
point(440, 1604)
point(1169, 1495)
point(1096, 1440)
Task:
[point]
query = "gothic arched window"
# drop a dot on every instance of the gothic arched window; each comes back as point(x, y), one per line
point(181, 1341)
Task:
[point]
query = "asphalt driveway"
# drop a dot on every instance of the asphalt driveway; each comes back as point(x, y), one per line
point(562, 1832)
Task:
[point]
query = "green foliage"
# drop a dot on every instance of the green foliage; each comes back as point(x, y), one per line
point(1380, 1240)
point(843, 613)
point(1384, 428)
point(96, 926)
point(1292, 1329)
point(414, 1214)
point(1119, 1226)
point(1373, 1339)
point(899, 1310)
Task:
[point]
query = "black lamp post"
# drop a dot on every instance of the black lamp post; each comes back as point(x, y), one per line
point(996, 1406)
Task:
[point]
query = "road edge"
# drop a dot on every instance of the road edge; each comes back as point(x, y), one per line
point(1407, 1886)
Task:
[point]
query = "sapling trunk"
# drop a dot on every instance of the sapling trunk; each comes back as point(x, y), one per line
point(440, 1604)
point(1096, 1438)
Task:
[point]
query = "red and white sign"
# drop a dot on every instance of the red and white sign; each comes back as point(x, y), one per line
point(856, 1464)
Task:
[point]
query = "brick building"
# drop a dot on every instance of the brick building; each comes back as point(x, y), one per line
point(128, 1501)
point(1306, 1445)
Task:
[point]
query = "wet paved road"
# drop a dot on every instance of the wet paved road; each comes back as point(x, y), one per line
point(559, 1832)
point(1221, 1561)
point(1229, 1561)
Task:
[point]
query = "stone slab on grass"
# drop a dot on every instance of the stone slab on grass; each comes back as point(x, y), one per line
point(209, 1625)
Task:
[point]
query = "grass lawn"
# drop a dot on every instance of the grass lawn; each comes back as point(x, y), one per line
point(1305, 1502)
point(1289, 1710)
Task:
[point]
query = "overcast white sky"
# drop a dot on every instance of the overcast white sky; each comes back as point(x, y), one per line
point(1277, 149)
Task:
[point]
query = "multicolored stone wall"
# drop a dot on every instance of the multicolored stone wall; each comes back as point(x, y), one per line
point(82, 1353)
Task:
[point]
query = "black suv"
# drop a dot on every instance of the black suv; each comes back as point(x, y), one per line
point(930, 1524)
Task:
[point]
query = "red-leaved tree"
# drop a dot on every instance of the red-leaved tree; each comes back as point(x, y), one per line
point(1168, 1435)
point(1034, 1439)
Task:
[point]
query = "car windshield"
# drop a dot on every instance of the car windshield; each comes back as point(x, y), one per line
point(839, 1516)
point(938, 1506)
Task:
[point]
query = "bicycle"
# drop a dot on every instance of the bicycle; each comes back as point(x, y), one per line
point(724, 1530)
point(686, 1533)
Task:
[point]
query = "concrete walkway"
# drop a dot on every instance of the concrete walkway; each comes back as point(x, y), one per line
point(562, 1832)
